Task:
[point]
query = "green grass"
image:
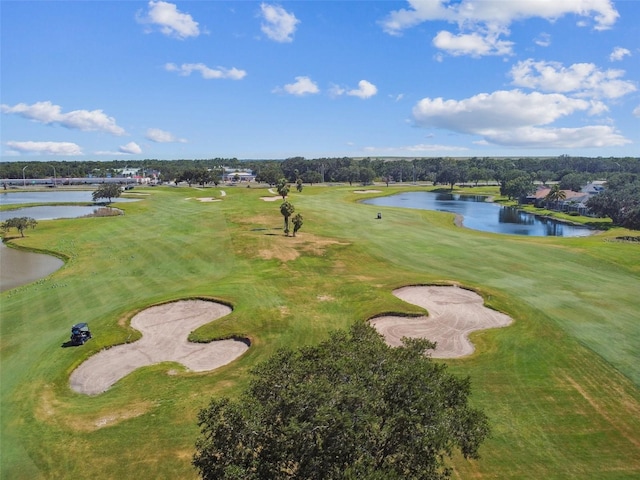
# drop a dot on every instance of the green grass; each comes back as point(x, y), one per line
point(561, 385)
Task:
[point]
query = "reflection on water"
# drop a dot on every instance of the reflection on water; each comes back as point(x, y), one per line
point(85, 196)
point(481, 215)
point(513, 215)
point(52, 212)
point(18, 267)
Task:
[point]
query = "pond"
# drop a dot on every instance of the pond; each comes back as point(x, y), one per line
point(53, 212)
point(478, 214)
point(79, 196)
point(18, 267)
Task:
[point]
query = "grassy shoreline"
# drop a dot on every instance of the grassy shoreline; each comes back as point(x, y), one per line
point(561, 385)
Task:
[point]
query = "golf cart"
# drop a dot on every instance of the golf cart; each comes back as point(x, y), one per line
point(80, 333)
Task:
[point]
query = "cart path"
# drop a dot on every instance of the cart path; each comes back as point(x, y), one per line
point(453, 314)
point(165, 329)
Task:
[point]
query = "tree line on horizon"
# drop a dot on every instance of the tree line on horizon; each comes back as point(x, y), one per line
point(516, 177)
point(442, 170)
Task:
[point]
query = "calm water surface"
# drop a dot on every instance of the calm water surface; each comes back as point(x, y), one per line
point(45, 212)
point(481, 215)
point(15, 198)
point(18, 267)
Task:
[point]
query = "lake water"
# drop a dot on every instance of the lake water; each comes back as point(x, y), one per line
point(478, 214)
point(18, 267)
point(79, 196)
point(51, 212)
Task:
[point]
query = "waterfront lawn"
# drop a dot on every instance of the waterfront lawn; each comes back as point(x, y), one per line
point(561, 385)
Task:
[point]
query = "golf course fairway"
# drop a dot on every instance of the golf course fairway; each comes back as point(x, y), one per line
point(560, 383)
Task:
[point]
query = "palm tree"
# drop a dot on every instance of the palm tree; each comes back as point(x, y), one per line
point(297, 223)
point(555, 195)
point(283, 188)
point(286, 209)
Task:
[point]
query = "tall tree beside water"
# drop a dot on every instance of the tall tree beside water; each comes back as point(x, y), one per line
point(19, 223)
point(108, 191)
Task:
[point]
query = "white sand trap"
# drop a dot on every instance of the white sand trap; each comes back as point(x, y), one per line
point(270, 199)
point(453, 313)
point(367, 191)
point(208, 199)
point(223, 193)
point(272, 190)
point(165, 329)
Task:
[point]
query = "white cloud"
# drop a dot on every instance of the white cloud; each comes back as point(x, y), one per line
point(302, 86)
point(474, 44)
point(207, 73)
point(498, 12)
point(414, 149)
point(543, 40)
point(171, 21)
point(365, 90)
point(636, 111)
point(619, 53)
point(279, 25)
point(515, 118)
point(45, 148)
point(48, 113)
point(336, 91)
point(583, 79)
point(593, 136)
point(130, 148)
point(501, 109)
point(482, 22)
point(162, 136)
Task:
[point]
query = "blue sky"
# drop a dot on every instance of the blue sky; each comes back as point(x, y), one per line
point(103, 80)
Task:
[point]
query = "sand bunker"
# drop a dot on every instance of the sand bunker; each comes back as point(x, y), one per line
point(270, 199)
point(208, 199)
point(453, 313)
point(165, 329)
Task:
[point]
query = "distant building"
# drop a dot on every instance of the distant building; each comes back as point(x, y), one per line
point(128, 172)
point(238, 175)
point(573, 201)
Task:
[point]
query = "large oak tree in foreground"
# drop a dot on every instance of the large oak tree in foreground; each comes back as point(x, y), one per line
point(349, 408)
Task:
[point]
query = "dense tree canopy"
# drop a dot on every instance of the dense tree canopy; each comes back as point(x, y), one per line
point(620, 201)
point(574, 181)
point(349, 408)
point(108, 191)
point(270, 173)
point(312, 177)
point(449, 174)
point(518, 188)
point(398, 170)
point(19, 223)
